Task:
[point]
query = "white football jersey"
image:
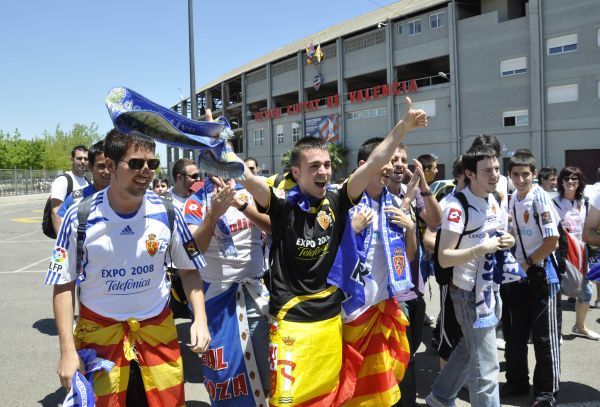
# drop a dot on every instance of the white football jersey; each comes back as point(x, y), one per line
point(533, 235)
point(123, 265)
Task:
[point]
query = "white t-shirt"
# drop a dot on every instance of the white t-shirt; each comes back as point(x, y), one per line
point(376, 289)
point(571, 214)
point(58, 190)
point(596, 201)
point(178, 202)
point(246, 237)
point(532, 235)
point(124, 257)
point(484, 220)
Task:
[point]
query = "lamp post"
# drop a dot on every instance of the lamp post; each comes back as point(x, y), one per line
point(193, 98)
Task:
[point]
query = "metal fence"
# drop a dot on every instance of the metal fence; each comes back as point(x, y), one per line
point(23, 182)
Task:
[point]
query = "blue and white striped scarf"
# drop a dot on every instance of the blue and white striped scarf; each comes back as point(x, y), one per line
point(392, 235)
point(81, 393)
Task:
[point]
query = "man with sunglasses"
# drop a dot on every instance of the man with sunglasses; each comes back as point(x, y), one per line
point(123, 293)
point(185, 174)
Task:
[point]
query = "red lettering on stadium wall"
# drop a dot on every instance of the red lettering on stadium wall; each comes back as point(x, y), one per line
point(357, 96)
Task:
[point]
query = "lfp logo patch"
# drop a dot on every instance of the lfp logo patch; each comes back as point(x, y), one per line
point(59, 255)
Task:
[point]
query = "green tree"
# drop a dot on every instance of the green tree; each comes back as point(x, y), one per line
point(52, 152)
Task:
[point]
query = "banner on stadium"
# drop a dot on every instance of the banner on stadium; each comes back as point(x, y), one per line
point(325, 127)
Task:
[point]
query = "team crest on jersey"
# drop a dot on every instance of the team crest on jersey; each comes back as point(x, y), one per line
point(324, 220)
point(526, 216)
point(152, 244)
point(243, 196)
point(399, 262)
point(494, 209)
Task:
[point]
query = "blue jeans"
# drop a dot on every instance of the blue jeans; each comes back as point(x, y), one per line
point(475, 357)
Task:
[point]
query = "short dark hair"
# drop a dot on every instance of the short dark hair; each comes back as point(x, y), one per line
point(179, 166)
point(252, 159)
point(116, 144)
point(95, 150)
point(522, 157)
point(367, 148)
point(567, 172)
point(545, 173)
point(475, 154)
point(426, 160)
point(458, 168)
point(488, 140)
point(155, 181)
point(78, 148)
point(305, 144)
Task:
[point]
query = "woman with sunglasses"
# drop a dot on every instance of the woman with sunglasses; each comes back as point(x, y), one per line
point(571, 206)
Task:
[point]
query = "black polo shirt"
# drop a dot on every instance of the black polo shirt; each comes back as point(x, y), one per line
point(302, 253)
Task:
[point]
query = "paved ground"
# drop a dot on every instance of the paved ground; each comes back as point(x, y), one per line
point(30, 346)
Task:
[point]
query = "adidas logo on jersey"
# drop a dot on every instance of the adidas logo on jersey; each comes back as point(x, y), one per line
point(127, 231)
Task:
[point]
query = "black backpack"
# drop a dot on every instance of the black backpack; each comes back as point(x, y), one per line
point(47, 227)
point(444, 275)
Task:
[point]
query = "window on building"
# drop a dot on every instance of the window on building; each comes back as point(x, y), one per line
point(400, 29)
point(279, 133)
point(414, 27)
point(436, 20)
point(259, 137)
point(598, 36)
point(515, 118)
point(295, 132)
point(427, 105)
point(560, 45)
point(599, 89)
point(510, 67)
point(565, 93)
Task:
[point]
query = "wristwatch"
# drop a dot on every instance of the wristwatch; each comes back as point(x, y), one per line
point(426, 193)
point(529, 261)
point(243, 207)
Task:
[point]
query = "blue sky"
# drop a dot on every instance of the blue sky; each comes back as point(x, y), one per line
point(60, 58)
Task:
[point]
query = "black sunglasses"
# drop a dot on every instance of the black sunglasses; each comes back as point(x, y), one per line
point(192, 176)
point(138, 163)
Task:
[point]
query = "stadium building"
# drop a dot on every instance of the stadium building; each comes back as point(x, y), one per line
point(525, 71)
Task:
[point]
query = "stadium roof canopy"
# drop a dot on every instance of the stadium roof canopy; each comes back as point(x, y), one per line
point(390, 12)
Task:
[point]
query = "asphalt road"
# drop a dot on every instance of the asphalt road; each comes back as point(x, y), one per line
point(29, 351)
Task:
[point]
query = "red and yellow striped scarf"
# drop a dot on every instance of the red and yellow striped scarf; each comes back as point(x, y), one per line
point(152, 342)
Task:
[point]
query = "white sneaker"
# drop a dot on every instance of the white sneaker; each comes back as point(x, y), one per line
point(433, 401)
point(597, 304)
point(588, 334)
point(500, 343)
point(560, 340)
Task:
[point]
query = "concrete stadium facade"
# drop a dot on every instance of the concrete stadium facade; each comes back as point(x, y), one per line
point(525, 71)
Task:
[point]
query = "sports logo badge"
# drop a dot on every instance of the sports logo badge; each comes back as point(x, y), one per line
point(526, 216)
point(494, 209)
point(546, 218)
point(399, 262)
point(152, 244)
point(191, 249)
point(59, 255)
point(324, 220)
point(454, 215)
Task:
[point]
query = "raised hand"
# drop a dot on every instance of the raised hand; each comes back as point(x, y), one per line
point(414, 119)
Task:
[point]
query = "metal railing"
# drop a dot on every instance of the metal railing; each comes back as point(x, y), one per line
point(26, 181)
